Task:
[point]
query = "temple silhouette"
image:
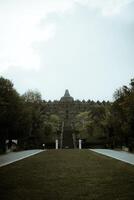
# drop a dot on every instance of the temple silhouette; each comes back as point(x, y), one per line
point(67, 108)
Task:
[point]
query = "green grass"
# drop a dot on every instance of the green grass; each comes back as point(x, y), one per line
point(67, 175)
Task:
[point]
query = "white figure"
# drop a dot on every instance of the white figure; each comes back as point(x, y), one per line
point(80, 146)
point(56, 144)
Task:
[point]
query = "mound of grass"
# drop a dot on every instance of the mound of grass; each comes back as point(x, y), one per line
point(67, 175)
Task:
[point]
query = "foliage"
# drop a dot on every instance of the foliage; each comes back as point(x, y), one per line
point(51, 127)
point(34, 122)
point(123, 115)
point(32, 96)
point(113, 122)
point(81, 123)
point(23, 118)
point(10, 109)
point(91, 124)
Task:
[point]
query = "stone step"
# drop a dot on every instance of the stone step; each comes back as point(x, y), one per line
point(67, 139)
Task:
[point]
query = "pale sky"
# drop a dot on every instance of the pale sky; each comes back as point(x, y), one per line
point(86, 46)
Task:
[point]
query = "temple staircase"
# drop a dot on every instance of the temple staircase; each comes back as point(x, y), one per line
point(67, 137)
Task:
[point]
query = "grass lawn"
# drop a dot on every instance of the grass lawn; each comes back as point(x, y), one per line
point(67, 175)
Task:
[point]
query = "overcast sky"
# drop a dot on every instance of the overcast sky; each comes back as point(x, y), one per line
point(86, 46)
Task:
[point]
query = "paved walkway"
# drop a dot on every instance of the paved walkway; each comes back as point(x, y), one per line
point(119, 155)
point(11, 157)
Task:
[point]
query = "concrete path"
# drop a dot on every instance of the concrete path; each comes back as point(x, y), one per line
point(11, 157)
point(119, 155)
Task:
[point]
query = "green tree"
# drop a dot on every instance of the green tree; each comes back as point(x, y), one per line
point(10, 109)
point(32, 96)
point(52, 127)
point(34, 121)
point(81, 124)
point(123, 116)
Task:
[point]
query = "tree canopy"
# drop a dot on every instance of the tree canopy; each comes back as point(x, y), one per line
point(23, 118)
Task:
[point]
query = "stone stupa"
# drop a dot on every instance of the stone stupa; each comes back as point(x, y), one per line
point(67, 97)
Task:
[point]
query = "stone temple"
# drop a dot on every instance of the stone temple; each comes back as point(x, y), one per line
point(67, 108)
point(67, 97)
